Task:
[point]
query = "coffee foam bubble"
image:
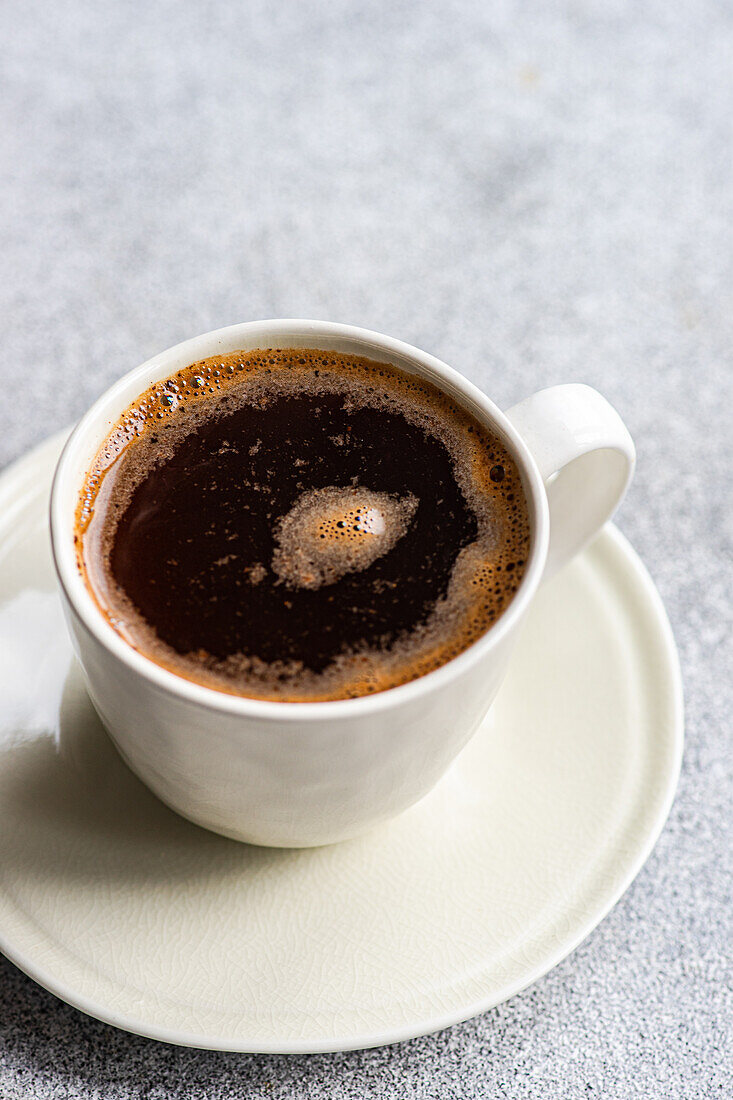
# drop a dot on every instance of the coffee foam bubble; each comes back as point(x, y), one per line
point(327, 533)
point(333, 531)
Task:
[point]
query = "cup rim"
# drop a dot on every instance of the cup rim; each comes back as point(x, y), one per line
point(93, 427)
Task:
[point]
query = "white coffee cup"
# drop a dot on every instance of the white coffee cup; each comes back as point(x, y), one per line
point(302, 774)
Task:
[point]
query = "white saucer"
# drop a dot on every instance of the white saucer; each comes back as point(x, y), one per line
point(137, 917)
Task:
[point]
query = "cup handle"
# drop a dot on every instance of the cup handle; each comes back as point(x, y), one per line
point(586, 458)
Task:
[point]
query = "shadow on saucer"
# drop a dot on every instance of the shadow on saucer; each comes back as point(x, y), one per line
point(75, 810)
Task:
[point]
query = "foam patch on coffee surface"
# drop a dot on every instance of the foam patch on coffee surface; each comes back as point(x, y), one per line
point(333, 531)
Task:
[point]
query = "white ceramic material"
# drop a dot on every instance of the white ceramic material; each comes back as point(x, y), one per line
point(306, 774)
point(136, 916)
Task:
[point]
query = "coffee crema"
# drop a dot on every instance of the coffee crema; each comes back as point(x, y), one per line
point(301, 525)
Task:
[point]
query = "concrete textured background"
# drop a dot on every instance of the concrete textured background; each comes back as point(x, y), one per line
point(535, 192)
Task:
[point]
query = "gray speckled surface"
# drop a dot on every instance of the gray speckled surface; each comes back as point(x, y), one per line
point(534, 192)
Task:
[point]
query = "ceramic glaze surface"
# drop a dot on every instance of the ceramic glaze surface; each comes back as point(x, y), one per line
point(305, 774)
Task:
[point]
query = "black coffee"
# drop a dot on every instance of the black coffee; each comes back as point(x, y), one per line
point(301, 525)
